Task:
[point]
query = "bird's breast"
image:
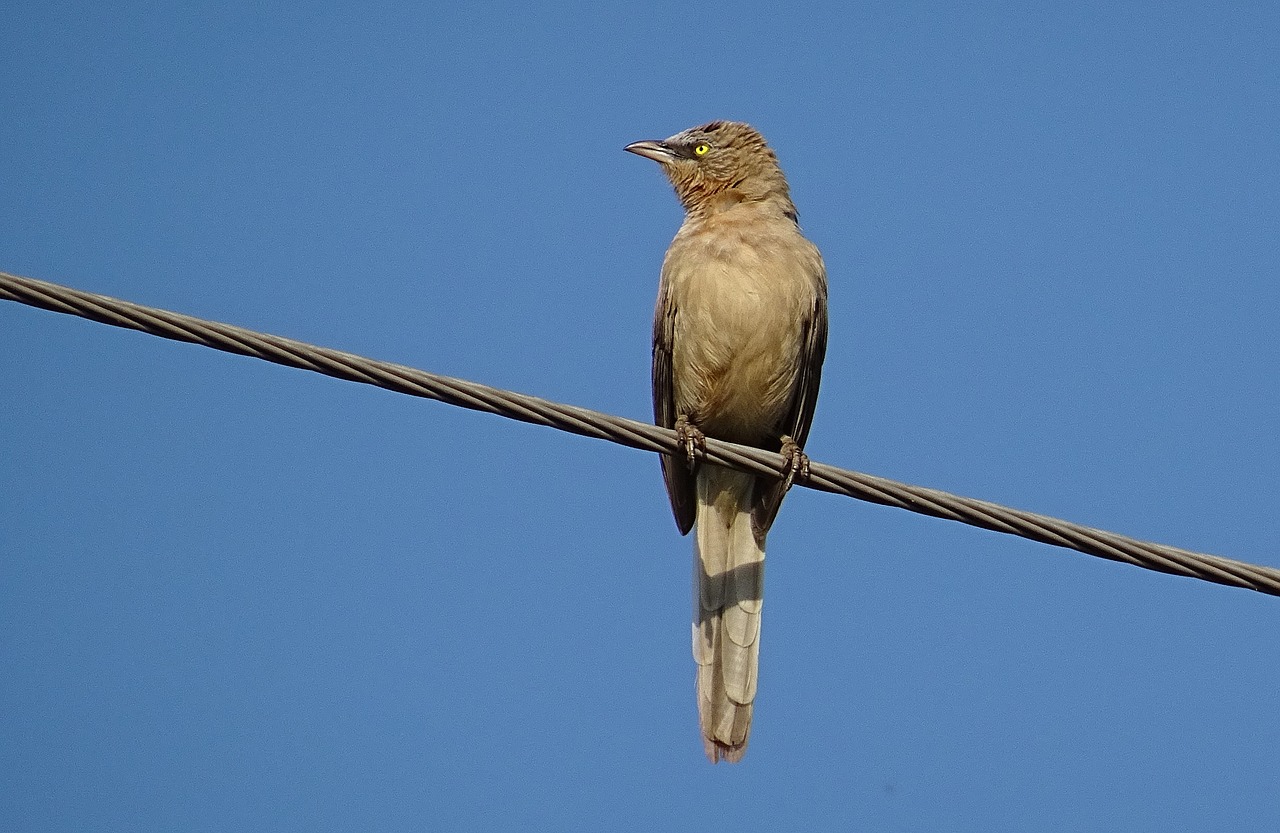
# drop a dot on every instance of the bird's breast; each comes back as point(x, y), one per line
point(743, 294)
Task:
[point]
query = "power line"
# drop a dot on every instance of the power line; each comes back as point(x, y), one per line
point(635, 434)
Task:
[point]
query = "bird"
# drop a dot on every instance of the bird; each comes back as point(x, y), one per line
point(739, 337)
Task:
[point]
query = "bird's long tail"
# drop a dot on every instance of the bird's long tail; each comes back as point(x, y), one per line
point(728, 585)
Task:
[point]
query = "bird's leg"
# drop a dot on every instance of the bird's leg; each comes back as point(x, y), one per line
point(797, 462)
point(693, 440)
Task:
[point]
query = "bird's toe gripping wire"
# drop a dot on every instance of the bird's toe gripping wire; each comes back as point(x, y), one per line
point(796, 467)
point(693, 440)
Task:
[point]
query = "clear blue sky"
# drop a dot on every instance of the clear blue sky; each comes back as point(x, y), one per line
point(235, 596)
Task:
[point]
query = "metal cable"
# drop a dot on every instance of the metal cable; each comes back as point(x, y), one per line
point(634, 434)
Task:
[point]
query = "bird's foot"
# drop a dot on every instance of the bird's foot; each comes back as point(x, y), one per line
point(693, 440)
point(796, 467)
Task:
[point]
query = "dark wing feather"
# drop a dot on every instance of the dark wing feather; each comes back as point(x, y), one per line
point(675, 470)
point(806, 395)
point(769, 494)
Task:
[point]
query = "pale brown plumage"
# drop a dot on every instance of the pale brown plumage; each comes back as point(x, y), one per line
point(739, 336)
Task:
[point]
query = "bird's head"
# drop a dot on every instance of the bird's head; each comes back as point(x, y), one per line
point(717, 163)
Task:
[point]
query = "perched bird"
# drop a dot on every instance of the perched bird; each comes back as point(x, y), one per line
point(739, 336)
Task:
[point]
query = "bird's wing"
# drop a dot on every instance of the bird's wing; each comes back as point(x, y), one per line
point(675, 470)
point(813, 351)
point(804, 397)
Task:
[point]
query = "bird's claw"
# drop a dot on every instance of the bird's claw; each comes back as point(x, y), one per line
point(796, 467)
point(693, 440)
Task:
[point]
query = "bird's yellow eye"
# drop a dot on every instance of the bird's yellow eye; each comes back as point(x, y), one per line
point(702, 149)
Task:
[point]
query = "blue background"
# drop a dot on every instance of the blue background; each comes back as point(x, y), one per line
point(235, 596)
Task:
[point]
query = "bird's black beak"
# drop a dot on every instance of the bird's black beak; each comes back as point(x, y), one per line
point(652, 149)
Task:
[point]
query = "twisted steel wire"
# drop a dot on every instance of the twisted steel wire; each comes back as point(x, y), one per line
point(635, 434)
